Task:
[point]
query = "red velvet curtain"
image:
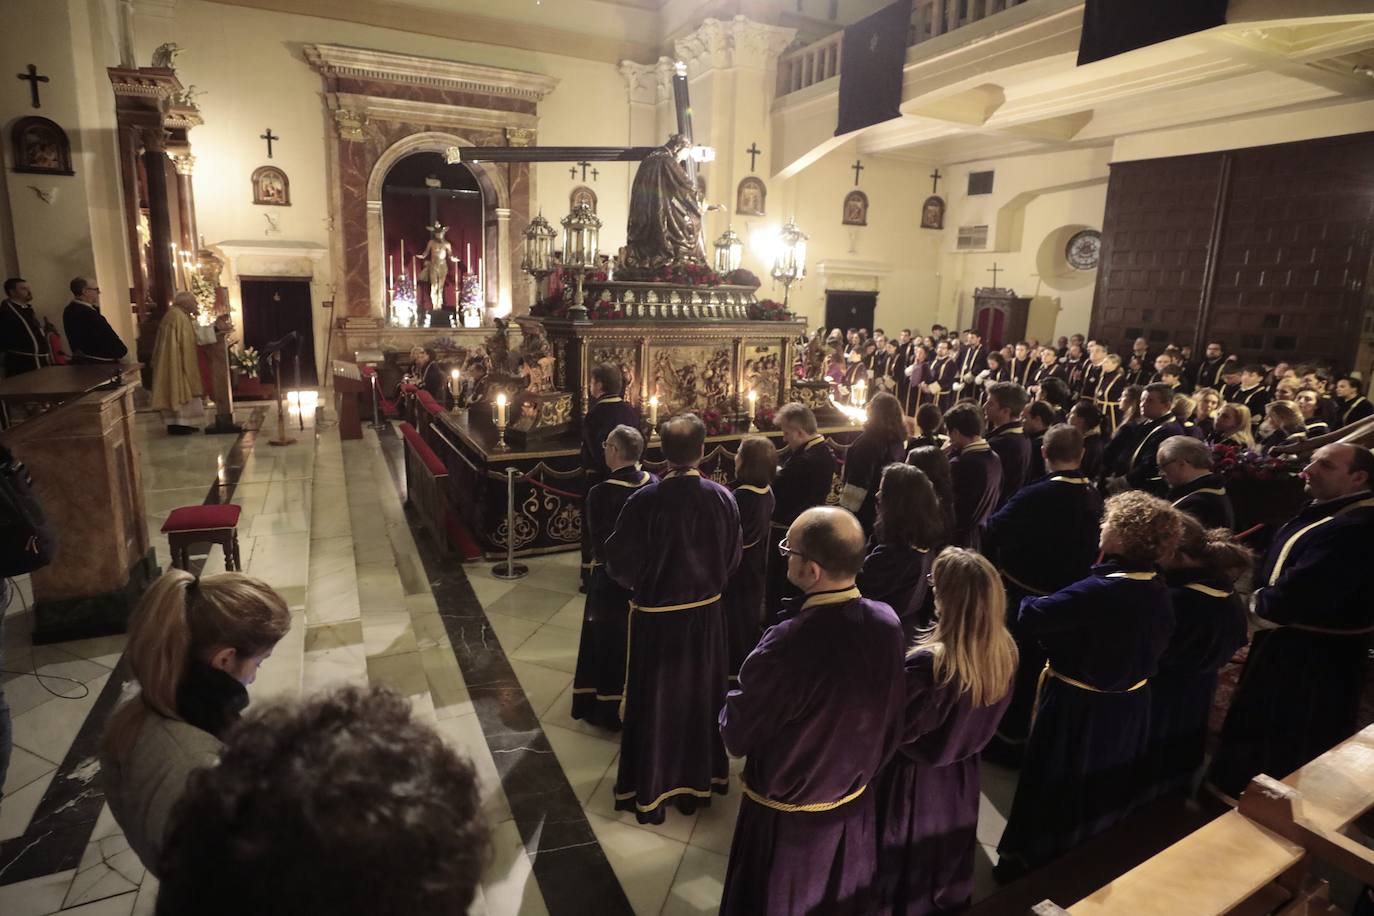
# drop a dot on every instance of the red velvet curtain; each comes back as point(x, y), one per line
point(404, 218)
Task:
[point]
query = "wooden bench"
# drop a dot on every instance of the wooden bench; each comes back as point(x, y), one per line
point(427, 486)
point(1255, 860)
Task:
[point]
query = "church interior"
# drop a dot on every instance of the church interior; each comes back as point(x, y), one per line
point(327, 187)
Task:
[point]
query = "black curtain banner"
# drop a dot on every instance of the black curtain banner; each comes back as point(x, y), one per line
point(1112, 27)
point(871, 58)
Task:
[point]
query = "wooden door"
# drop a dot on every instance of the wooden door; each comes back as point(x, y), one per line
point(272, 308)
point(847, 309)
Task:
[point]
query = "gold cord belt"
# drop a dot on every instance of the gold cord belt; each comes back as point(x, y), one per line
point(788, 807)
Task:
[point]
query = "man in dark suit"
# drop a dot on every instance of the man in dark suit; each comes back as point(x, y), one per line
point(609, 409)
point(975, 473)
point(88, 333)
point(23, 345)
point(1186, 466)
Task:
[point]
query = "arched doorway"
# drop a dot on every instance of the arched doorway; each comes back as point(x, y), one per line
point(419, 191)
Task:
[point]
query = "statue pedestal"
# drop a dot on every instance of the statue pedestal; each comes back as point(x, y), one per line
point(815, 393)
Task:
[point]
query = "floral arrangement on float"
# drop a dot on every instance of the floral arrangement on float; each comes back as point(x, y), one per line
point(246, 361)
point(204, 291)
point(769, 310)
point(1236, 463)
point(765, 418)
point(715, 423)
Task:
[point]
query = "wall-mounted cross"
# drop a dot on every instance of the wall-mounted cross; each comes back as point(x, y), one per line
point(33, 80)
point(753, 152)
point(595, 173)
point(858, 167)
point(572, 172)
point(935, 177)
point(584, 165)
point(269, 137)
point(995, 270)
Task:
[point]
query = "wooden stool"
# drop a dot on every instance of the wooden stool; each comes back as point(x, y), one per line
point(203, 525)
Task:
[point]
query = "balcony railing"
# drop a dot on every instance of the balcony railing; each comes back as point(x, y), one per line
point(820, 60)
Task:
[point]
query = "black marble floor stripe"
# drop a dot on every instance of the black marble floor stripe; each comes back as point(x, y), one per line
point(574, 875)
point(61, 827)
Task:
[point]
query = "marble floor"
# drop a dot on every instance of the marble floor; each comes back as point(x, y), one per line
point(488, 662)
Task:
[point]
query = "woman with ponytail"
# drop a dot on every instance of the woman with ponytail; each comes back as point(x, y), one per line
point(194, 646)
point(958, 684)
point(1209, 628)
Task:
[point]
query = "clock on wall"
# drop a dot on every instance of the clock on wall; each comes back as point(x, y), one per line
point(1084, 249)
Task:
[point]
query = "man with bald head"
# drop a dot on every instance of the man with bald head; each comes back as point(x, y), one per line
point(676, 542)
point(1299, 694)
point(817, 712)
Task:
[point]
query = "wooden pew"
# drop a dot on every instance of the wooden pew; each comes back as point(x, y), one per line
point(426, 486)
point(1238, 865)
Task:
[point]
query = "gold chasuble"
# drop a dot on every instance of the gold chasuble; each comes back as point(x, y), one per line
point(176, 370)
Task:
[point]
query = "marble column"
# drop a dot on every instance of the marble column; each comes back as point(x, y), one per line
point(186, 201)
point(162, 269)
point(378, 306)
point(503, 259)
point(129, 144)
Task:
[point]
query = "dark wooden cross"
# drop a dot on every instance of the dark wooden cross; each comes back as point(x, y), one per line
point(584, 165)
point(595, 173)
point(995, 270)
point(269, 137)
point(33, 80)
point(572, 173)
point(858, 167)
point(935, 177)
point(753, 152)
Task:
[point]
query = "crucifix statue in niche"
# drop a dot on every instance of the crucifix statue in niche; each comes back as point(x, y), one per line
point(436, 256)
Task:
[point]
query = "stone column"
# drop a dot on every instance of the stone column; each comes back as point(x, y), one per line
point(162, 277)
point(186, 201)
point(504, 255)
point(378, 306)
point(128, 173)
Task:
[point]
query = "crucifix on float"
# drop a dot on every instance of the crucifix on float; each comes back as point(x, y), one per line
point(269, 137)
point(33, 80)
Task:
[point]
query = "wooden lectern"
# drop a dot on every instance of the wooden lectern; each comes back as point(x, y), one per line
point(221, 386)
point(83, 456)
point(1000, 316)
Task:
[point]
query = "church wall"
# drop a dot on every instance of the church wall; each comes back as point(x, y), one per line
point(1328, 121)
point(78, 231)
point(250, 65)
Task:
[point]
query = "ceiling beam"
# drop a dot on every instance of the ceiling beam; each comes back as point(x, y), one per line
point(1254, 51)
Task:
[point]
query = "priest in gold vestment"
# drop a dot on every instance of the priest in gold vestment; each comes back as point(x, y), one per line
point(177, 390)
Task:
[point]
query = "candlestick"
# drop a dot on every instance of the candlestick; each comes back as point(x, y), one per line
point(501, 420)
point(653, 413)
point(454, 387)
point(753, 409)
point(467, 257)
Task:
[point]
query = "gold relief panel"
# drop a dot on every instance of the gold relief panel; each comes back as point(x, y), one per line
point(694, 378)
point(624, 356)
point(763, 372)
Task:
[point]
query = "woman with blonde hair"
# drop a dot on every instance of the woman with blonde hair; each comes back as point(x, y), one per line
point(1232, 427)
point(1086, 763)
point(958, 680)
point(194, 646)
point(1208, 401)
point(1285, 423)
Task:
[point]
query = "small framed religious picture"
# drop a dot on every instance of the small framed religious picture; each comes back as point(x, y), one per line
point(41, 147)
point(856, 209)
point(271, 187)
point(751, 198)
point(582, 195)
point(933, 213)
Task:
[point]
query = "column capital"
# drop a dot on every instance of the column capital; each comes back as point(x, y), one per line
point(740, 42)
point(351, 124)
point(520, 136)
point(185, 163)
point(502, 213)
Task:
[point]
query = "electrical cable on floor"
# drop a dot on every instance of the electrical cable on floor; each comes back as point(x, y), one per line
point(33, 666)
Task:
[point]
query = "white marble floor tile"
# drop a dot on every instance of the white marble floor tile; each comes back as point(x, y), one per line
point(103, 650)
point(48, 729)
point(446, 685)
point(464, 734)
point(698, 884)
point(17, 811)
point(487, 589)
point(644, 862)
point(552, 647)
point(25, 692)
point(36, 896)
point(288, 522)
point(584, 759)
point(108, 868)
point(676, 826)
point(715, 827)
point(509, 887)
point(146, 904)
point(25, 767)
point(543, 686)
point(281, 560)
point(560, 713)
point(429, 628)
point(555, 578)
point(569, 617)
point(403, 672)
point(529, 602)
point(280, 675)
point(511, 631)
point(122, 905)
point(387, 632)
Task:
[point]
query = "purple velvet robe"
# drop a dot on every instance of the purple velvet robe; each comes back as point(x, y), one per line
point(804, 480)
point(599, 682)
point(1012, 446)
point(927, 796)
point(744, 595)
point(863, 468)
point(1086, 760)
point(895, 574)
point(603, 416)
point(976, 476)
point(817, 712)
point(676, 543)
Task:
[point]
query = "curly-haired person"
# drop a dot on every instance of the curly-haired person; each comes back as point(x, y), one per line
point(341, 803)
point(1085, 760)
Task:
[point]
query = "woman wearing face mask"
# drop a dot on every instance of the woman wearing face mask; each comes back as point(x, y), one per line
point(194, 646)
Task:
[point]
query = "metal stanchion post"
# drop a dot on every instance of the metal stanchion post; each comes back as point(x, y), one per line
point(510, 569)
point(376, 420)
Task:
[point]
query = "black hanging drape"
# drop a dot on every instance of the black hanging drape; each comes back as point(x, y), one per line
point(1112, 27)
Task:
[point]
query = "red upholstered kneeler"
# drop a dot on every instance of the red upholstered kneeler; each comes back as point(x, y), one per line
point(203, 525)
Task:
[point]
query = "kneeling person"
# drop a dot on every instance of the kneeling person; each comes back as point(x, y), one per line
point(818, 710)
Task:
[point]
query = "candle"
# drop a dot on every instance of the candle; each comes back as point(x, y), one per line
point(653, 411)
point(453, 384)
point(467, 258)
point(501, 409)
point(753, 402)
point(403, 259)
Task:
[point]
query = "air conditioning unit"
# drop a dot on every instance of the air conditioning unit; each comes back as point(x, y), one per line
point(972, 238)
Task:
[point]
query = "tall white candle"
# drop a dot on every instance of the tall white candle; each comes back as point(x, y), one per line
point(653, 411)
point(753, 403)
point(501, 409)
point(454, 387)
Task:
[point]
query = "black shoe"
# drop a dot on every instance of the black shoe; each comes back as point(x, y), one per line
point(176, 429)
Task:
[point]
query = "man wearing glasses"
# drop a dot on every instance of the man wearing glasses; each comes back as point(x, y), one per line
point(88, 333)
point(818, 710)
